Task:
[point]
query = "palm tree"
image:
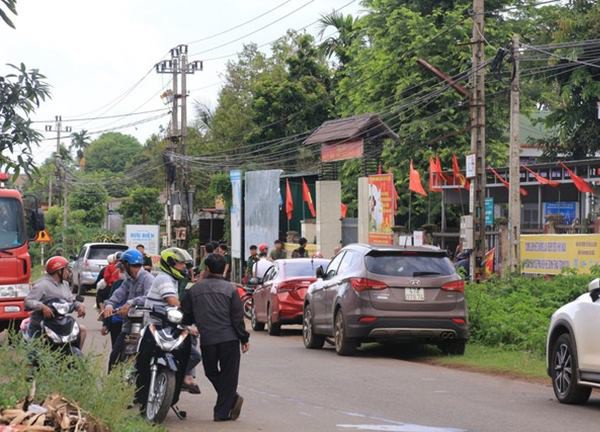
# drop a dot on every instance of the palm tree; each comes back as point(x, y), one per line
point(80, 141)
point(339, 44)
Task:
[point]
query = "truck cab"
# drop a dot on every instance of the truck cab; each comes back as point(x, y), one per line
point(15, 263)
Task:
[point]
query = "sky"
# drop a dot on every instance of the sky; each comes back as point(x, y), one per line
point(99, 57)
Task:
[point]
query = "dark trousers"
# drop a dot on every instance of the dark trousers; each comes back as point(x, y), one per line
point(195, 357)
point(114, 329)
point(117, 349)
point(222, 368)
point(142, 367)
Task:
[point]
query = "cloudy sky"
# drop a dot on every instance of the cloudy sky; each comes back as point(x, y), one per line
point(98, 56)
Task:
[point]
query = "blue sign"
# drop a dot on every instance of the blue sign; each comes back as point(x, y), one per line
point(568, 210)
point(489, 211)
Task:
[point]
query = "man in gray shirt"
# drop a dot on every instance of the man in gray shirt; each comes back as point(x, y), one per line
point(214, 305)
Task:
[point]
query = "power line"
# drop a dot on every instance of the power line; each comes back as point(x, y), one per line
point(103, 117)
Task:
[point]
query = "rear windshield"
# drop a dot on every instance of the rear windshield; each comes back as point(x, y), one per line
point(422, 264)
point(303, 268)
point(101, 252)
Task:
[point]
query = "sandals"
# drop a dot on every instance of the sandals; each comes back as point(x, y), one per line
point(191, 388)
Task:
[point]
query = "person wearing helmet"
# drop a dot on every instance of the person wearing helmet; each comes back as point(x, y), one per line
point(263, 250)
point(132, 292)
point(164, 291)
point(263, 264)
point(53, 284)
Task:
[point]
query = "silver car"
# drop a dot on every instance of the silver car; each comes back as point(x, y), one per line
point(89, 262)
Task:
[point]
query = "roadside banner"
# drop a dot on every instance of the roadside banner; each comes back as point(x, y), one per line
point(381, 209)
point(236, 213)
point(147, 235)
point(550, 253)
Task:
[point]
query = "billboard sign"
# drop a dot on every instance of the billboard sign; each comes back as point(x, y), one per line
point(550, 253)
point(236, 213)
point(147, 235)
point(381, 209)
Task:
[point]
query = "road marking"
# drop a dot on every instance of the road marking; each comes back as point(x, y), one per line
point(402, 427)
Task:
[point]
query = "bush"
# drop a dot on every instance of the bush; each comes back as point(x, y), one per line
point(105, 397)
point(515, 312)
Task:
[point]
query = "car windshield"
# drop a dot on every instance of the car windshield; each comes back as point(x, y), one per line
point(302, 268)
point(12, 229)
point(409, 265)
point(101, 252)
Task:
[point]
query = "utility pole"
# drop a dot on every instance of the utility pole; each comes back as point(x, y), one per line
point(477, 192)
point(60, 168)
point(179, 67)
point(514, 197)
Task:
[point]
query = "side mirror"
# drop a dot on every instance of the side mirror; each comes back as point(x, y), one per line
point(253, 281)
point(73, 258)
point(320, 272)
point(594, 289)
point(40, 222)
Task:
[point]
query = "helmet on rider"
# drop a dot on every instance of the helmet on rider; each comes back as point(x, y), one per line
point(263, 248)
point(55, 264)
point(175, 261)
point(132, 257)
point(110, 258)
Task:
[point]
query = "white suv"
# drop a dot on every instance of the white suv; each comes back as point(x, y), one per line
point(573, 347)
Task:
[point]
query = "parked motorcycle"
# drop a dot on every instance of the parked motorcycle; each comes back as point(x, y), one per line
point(163, 364)
point(245, 293)
point(61, 331)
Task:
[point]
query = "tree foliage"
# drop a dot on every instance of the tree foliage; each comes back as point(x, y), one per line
point(111, 152)
point(142, 207)
point(91, 200)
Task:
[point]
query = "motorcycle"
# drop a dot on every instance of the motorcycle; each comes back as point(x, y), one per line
point(245, 293)
point(61, 331)
point(163, 364)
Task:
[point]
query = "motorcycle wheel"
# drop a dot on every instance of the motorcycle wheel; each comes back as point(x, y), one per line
point(247, 304)
point(164, 390)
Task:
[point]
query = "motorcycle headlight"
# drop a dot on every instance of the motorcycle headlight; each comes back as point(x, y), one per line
point(174, 316)
point(53, 336)
point(167, 344)
point(74, 334)
point(61, 308)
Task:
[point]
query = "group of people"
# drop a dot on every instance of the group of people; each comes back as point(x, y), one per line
point(211, 307)
point(260, 259)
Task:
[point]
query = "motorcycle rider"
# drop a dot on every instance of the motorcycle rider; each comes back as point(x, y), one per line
point(164, 291)
point(53, 285)
point(132, 292)
point(263, 264)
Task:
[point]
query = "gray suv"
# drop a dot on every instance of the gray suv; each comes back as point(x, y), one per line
point(89, 262)
point(387, 294)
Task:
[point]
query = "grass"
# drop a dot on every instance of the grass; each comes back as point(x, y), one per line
point(36, 272)
point(513, 363)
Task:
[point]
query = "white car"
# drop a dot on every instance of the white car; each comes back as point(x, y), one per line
point(573, 347)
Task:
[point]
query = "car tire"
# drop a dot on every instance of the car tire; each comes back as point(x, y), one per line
point(564, 371)
point(274, 329)
point(310, 339)
point(453, 347)
point(256, 326)
point(344, 346)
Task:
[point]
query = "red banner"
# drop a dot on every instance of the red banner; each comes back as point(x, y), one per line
point(342, 151)
point(381, 209)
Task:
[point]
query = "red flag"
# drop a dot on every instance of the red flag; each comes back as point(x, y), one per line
point(522, 191)
point(414, 181)
point(307, 198)
point(458, 177)
point(344, 210)
point(580, 183)
point(434, 176)
point(289, 202)
point(438, 164)
point(488, 267)
point(540, 179)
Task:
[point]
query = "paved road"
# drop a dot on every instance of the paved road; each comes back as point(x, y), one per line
point(288, 388)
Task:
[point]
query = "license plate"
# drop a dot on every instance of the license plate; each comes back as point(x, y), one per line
point(414, 294)
point(12, 309)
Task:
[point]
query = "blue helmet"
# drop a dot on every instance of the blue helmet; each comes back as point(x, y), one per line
point(133, 257)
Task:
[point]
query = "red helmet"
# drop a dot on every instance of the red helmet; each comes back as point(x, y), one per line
point(263, 247)
point(55, 264)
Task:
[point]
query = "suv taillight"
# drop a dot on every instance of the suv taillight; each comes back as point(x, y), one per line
point(365, 284)
point(458, 286)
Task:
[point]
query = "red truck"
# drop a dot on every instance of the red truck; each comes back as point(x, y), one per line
point(18, 226)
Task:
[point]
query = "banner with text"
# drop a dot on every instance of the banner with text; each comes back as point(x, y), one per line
point(381, 209)
point(550, 253)
point(236, 213)
point(147, 235)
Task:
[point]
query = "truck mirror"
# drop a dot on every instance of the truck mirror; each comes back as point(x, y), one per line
point(40, 222)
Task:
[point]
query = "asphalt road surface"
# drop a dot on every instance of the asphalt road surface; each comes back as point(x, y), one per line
point(289, 388)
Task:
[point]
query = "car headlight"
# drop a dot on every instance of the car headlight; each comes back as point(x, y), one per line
point(14, 290)
point(174, 315)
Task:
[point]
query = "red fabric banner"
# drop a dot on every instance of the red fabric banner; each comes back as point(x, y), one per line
point(540, 179)
point(522, 191)
point(414, 181)
point(458, 177)
point(289, 202)
point(580, 183)
point(307, 198)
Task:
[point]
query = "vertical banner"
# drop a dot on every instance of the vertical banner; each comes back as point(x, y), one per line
point(261, 208)
point(236, 213)
point(381, 209)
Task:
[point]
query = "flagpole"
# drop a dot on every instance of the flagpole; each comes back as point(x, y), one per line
point(429, 208)
point(409, 210)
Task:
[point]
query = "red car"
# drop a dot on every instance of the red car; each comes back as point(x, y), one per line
point(278, 299)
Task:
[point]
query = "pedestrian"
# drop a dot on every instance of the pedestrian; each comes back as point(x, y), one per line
point(263, 264)
point(278, 251)
point(224, 251)
point(301, 252)
point(147, 258)
point(252, 259)
point(214, 305)
point(208, 249)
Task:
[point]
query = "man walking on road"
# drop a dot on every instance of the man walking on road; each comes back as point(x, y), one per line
point(214, 305)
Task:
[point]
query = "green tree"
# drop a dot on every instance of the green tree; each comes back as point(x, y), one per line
point(346, 34)
point(91, 199)
point(79, 142)
point(142, 206)
point(21, 93)
point(111, 152)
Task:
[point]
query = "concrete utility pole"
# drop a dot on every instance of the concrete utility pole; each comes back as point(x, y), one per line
point(60, 170)
point(477, 192)
point(179, 67)
point(514, 196)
